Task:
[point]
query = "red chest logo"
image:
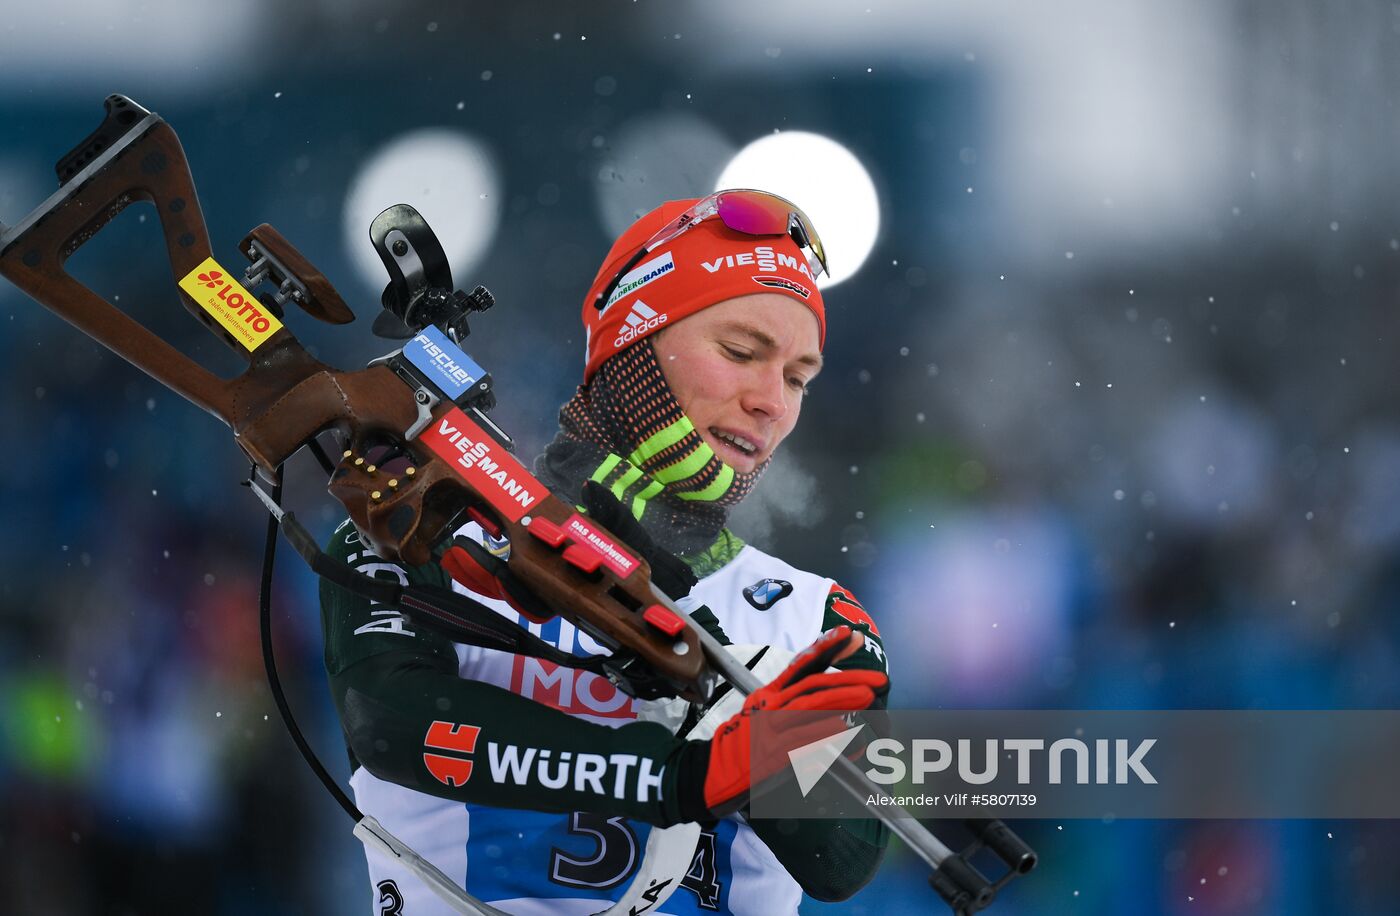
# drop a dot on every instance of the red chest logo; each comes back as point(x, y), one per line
point(451, 770)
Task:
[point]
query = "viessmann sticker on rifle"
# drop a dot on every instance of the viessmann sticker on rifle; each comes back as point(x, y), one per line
point(238, 310)
point(484, 463)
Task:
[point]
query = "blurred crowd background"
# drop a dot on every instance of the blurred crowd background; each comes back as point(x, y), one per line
point(1104, 422)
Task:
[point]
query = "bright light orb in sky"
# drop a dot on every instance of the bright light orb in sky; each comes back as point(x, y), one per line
point(445, 175)
point(823, 178)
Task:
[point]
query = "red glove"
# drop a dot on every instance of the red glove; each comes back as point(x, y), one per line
point(741, 756)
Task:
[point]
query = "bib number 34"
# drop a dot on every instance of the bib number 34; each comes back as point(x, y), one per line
point(614, 856)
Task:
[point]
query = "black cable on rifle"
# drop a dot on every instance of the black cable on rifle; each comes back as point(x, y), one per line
point(270, 662)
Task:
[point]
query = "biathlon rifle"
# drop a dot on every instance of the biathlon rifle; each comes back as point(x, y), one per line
point(418, 455)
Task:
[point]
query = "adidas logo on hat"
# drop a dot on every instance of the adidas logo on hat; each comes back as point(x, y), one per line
point(641, 319)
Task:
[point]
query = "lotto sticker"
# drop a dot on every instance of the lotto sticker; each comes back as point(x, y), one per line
point(238, 310)
point(484, 463)
point(451, 370)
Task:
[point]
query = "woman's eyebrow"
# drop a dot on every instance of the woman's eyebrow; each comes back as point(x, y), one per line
point(766, 341)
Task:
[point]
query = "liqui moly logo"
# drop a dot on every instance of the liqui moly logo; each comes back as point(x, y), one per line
point(238, 311)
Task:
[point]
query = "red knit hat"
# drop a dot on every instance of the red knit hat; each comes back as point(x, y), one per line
point(701, 267)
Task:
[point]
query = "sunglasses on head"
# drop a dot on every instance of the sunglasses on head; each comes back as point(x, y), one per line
point(743, 210)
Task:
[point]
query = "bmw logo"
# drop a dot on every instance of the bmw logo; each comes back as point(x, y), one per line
point(765, 593)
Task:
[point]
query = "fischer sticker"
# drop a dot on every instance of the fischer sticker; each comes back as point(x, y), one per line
point(614, 558)
point(237, 310)
point(451, 370)
point(484, 463)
